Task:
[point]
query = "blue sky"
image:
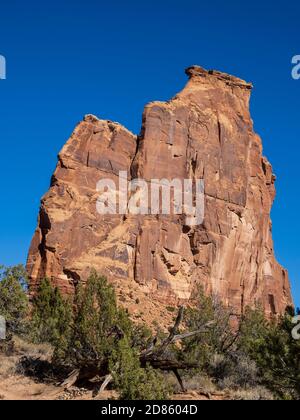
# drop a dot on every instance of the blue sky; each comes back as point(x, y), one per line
point(69, 58)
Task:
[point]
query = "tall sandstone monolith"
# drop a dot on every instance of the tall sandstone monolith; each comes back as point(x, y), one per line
point(204, 132)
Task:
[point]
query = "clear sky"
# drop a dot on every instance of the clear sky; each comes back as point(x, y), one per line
point(69, 58)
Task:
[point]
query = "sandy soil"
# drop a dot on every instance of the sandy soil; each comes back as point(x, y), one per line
point(18, 387)
point(15, 386)
point(21, 388)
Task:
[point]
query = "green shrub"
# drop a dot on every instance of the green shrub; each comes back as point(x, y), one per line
point(171, 309)
point(13, 297)
point(254, 329)
point(275, 352)
point(219, 336)
point(98, 323)
point(51, 319)
point(132, 381)
point(103, 338)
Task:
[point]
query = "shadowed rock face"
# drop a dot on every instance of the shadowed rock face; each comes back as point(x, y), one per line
point(204, 132)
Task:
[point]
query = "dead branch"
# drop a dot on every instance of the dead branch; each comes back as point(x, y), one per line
point(71, 379)
point(202, 330)
point(153, 355)
point(108, 379)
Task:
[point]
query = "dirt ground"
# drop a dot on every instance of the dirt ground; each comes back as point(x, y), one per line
point(15, 385)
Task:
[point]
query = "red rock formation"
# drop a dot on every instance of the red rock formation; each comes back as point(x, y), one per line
point(204, 132)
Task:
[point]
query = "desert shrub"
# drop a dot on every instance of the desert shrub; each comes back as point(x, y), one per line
point(98, 324)
point(171, 309)
point(198, 382)
point(13, 297)
point(274, 350)
point(245, 371)
point(132, 381)
point(141, 336)
point(233, 370)
point(51, 319)
point(277, 355)
point(104, 339)
point(254, 329)
point(219, 336)
point(258, 393)
point(260, 353)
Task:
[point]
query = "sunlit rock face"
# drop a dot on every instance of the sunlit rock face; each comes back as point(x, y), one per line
point(204, 132)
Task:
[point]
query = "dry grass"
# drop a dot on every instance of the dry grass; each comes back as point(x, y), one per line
point(8, 364)
point(22, 347)
point(201, 383)
point(254, 394)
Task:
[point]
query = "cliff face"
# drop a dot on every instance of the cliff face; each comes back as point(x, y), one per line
point(204, 132)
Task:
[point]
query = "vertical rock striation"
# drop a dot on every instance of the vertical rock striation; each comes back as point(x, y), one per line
point(205, 132)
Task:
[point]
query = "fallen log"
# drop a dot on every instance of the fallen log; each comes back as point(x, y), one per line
point(153, 355)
